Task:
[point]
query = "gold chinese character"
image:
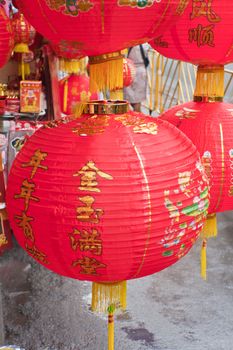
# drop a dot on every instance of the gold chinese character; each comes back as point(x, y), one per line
point(88, 175)
point(35, 162)
point(87, 213)
point(230, 192)
point(27, 189)
point(202, 35)
point(86, 241)
point(88, 265)
point(204, 8)
point(36, 253)
point(24, 223)
point(181, 7)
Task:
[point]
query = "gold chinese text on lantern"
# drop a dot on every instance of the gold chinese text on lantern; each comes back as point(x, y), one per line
point(23, 220)
point(88, 239)
point(139, 125)
point(181, 7)
point(203, 35)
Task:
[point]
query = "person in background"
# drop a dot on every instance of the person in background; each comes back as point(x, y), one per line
point(136, 92)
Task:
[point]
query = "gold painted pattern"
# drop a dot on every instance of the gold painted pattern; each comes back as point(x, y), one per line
point(149, 210)
point(223, 167)
point(45, 17)
point(139, 124)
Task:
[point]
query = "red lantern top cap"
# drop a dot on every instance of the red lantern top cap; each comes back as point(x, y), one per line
point(106, 107)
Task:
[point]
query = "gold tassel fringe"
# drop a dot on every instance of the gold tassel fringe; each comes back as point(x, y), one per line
point(210, 228)
point(210, 82)
point(105, 295)
point(203, 259)
point(26, 69)
point(71, 66)
point(106, 72)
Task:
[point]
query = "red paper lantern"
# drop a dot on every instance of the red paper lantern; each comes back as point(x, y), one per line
point(114, 25)
point(24, 33)
point(6, 38)
point(107, 197)
point(203, 35)
point(209, 126)
point(129, 72)
point(74, 89)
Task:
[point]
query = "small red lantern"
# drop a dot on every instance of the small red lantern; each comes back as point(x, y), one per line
point(74, 89)
point(209, 126)
point(6, 38)
point(120, 196)
point(129, 72)
point(24, 35)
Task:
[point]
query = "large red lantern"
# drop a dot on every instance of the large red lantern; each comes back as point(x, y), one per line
point(6, 38)
point(102, 28)
point(114, 25)
point(209, 126)
point(203, 36)
point(74, 89)
point(120, 196)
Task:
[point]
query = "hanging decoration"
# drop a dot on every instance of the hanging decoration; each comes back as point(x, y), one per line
point(209, 125)
point(104, 28)
point(74, 89)
point(70, 60)
point(24, 35)
point(129, 72)
point(203, 36)
point(6, 38)
point(121, 197)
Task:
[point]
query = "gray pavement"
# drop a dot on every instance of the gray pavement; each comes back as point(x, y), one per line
point(172, 310)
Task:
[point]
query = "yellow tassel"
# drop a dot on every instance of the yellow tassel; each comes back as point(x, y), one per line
point(22, 68)
point(21, 48)
point(210, 228)
point(65, 95)
point(117, 95)
point(111, 310)
point(27, 69)
point(69, 66)
point(106, 72)
point(203, 259)
point(105, 295)
point(210, 82)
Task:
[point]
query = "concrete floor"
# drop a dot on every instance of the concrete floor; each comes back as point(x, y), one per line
point(172, 310)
